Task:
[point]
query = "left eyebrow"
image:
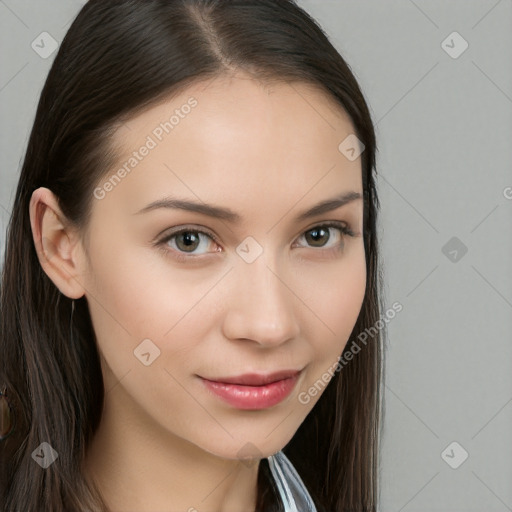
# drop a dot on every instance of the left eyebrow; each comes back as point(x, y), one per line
point(329, 205)
point(230, 216)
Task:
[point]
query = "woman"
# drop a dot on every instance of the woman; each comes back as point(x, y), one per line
point(192, 246)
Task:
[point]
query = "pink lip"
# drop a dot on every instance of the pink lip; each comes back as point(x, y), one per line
point(254, 391)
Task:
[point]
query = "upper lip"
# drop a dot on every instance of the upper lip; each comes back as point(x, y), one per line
point(256, 379)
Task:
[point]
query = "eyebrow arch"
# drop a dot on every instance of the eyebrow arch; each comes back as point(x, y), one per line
point(230, 216)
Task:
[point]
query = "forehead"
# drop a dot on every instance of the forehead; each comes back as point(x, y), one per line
point(238, 140)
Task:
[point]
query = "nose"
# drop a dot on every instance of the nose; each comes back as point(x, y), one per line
point(261, 306)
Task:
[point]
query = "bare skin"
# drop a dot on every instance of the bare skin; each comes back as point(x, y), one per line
point(165, 443)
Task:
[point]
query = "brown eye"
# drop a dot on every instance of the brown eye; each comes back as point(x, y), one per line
point(187, 240)
point(187, 243)
point(319, 236)
point(316, 236)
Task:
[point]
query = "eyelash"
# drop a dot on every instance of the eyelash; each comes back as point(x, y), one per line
point(183, 258)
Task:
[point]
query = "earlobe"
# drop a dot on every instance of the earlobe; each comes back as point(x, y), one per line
point(54, 243)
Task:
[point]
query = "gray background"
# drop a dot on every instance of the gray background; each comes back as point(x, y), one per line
point(444, 128)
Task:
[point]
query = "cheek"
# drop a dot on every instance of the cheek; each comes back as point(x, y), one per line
point(135, 292)
point(333, 306)
point(123, 298)
point(135, 296)
point(336, 294)
point(140, 315)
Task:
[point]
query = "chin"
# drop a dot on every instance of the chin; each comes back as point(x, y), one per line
point(249, 449)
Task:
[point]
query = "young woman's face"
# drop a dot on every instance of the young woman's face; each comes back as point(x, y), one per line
point(264, 292)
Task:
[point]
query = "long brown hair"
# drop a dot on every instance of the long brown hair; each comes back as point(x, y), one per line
point(118, 58)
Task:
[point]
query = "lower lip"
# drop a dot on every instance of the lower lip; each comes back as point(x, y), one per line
point(253, 397)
